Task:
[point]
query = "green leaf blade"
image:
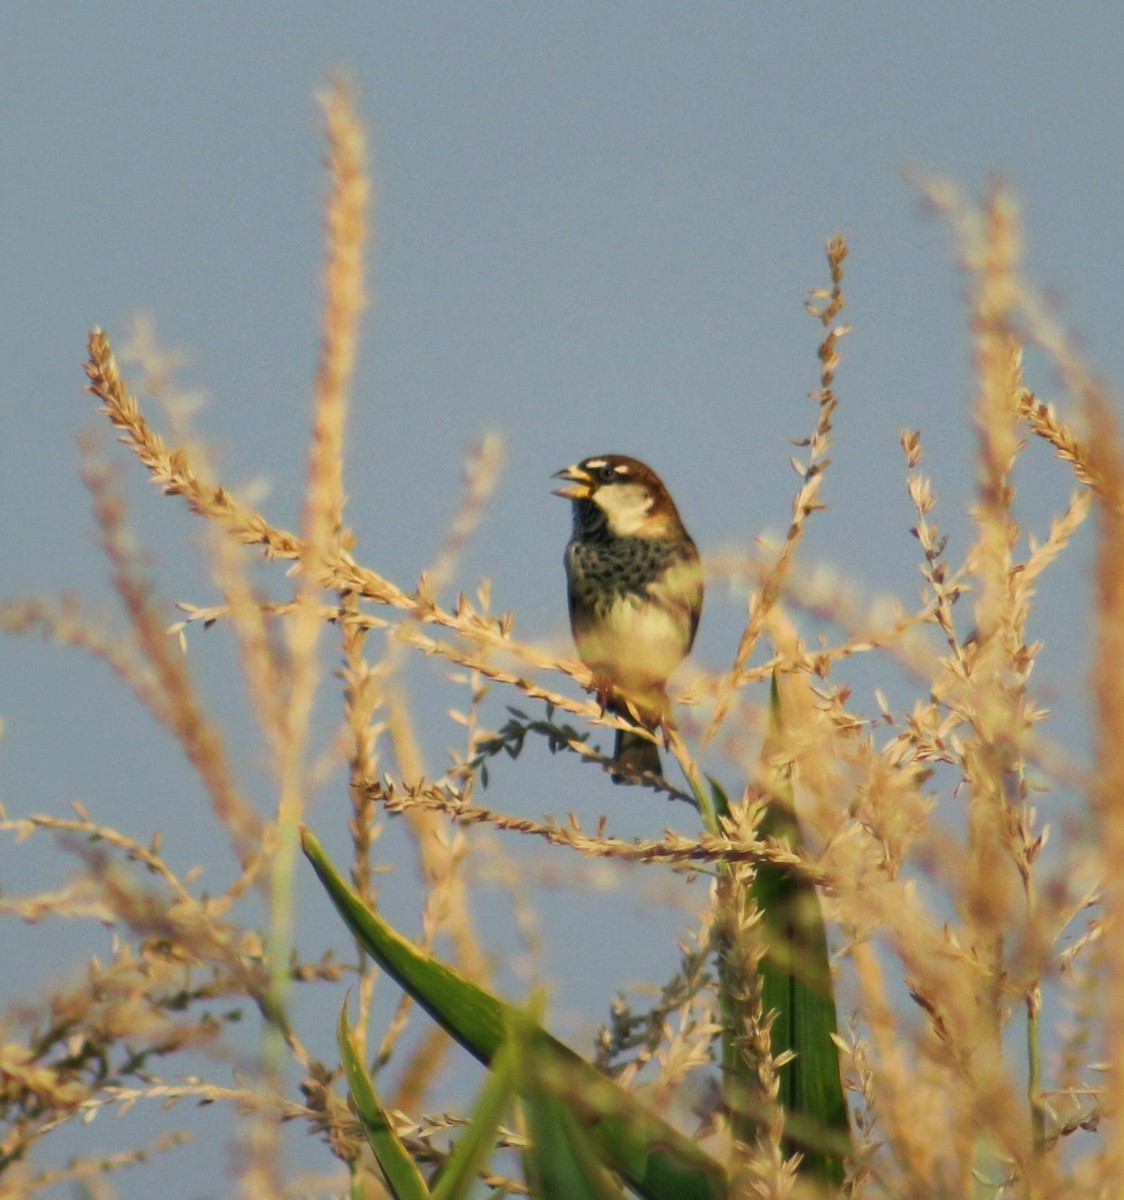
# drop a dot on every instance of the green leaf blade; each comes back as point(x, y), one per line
point(658, 1162)
point(398, 1169)
point(797, 983)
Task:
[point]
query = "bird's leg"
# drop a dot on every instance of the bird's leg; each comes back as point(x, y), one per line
point(665, 726)
point(603, 689)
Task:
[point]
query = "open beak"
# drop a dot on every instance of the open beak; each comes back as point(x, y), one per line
point(581, 479)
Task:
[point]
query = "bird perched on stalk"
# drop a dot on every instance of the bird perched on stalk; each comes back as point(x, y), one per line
point(635, 589)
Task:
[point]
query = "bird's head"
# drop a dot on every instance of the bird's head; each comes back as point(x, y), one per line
point(621, 494)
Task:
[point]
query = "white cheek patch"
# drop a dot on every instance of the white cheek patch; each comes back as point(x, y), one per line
point(626, 505)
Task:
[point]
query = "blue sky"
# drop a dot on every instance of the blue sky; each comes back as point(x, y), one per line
point(595, 229)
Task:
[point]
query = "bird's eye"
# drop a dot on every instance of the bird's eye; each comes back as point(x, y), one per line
point(607, 473)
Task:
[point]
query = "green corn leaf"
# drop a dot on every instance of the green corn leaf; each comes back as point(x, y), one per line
point(656, 1160)
point(398, 1169)
point(797, 983)
point(565, 1161)
point(474, 1147)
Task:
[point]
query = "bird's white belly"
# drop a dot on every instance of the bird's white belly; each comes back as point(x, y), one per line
point(637, 645)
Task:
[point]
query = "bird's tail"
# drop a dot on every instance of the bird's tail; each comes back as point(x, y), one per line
point(634, 754)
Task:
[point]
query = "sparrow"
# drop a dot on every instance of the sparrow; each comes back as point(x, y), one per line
point(635, 589)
